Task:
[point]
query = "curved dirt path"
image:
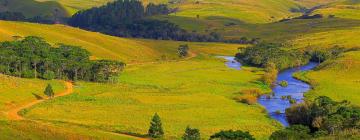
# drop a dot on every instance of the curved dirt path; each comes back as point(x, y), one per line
point(13, 114)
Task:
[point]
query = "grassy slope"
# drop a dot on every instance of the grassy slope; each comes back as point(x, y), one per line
point(16, 92)
point(196, 92)
point(343, 8)
point(31, 8)
point(206, 79)
point(104, 46)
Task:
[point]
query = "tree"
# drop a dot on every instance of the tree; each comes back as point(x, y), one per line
point(191, 134)
point(49, 91)
point(183, 50)
point(232, 135)
point(295, 132)
point(156, 130)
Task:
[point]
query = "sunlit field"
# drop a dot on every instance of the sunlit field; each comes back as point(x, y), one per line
point(197, 92)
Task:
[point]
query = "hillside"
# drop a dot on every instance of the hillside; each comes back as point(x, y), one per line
point(104, 46)
point(344, 9)
point(31, 8)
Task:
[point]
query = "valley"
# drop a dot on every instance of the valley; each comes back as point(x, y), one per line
point(187, 83)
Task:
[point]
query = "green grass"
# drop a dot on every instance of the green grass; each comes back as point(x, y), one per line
point(25, 130)
point(16, 92)
point(109, 47)
point(31, 8)
point(197, 92)
point(337, 79)
point(343, 8)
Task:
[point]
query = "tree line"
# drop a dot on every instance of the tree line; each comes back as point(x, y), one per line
point(129, 18)
point(18, 16)
point(32, 57)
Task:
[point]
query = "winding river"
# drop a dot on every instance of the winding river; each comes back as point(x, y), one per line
point(295, 88)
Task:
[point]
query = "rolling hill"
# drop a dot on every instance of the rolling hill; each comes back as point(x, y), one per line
point(31, 8)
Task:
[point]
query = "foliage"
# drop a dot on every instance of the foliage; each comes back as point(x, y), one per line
point(284, 83)
point(324, 114)
point(232, 135)
point(191, 134)
point(183, 50)
point(49, 91)
point(294, 132)
point(19, 58)
point(270, 75)
point(127, 18)
point(156, 130)
point(264, 53)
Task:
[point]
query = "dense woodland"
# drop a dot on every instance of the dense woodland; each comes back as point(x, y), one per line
point(129, 18)
point(17, 16)
point(32, 57)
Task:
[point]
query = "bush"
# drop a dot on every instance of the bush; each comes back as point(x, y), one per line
point(28, 74)
point(191, 134)
point(284, 83)
point(255, 92)
point(295, 132)
point(292, 101)
point(232, 135)
point(49, 75)
point(246, 99)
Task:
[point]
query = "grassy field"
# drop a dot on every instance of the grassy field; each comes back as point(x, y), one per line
point(196, 92)
point(16, 92)
point(337, 79)
point(344, 8)
point(31, 8)
point(108, 47)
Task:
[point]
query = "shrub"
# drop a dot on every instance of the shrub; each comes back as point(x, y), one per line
point(191, 134)
point(28, 74)
point(284, 83)
point(156, 130)
point(295, 132)
point(292, 101)
point(49, 75)
point(254, 91)
point(247, 99)
point(232, 135)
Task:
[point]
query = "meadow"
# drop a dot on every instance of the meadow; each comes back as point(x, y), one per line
point(198, 92)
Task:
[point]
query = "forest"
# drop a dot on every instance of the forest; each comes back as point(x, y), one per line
point(32, 57)
point(129, 18)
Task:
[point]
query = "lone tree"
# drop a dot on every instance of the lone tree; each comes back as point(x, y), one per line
point(183, 50)
point(191, 134)
point(49, 91)
point(156, 130)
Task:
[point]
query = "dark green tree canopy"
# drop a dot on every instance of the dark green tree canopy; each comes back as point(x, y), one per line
point(191, 134)
point(49, 91)
point(232, 135)
point(156, 130)
point(33, 57)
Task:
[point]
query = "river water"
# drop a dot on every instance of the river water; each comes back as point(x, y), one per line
point(295, 88)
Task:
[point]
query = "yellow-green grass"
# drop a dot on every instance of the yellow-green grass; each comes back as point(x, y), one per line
point(255, 11)
point(17, 92)
point(31, 8)
point(105, 46)
point(197, 92)
point(25, 130)
point(338, 79)
point(343, 8)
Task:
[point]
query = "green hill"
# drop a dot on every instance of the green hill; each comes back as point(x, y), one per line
point(344, 9)
point(31, 8)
